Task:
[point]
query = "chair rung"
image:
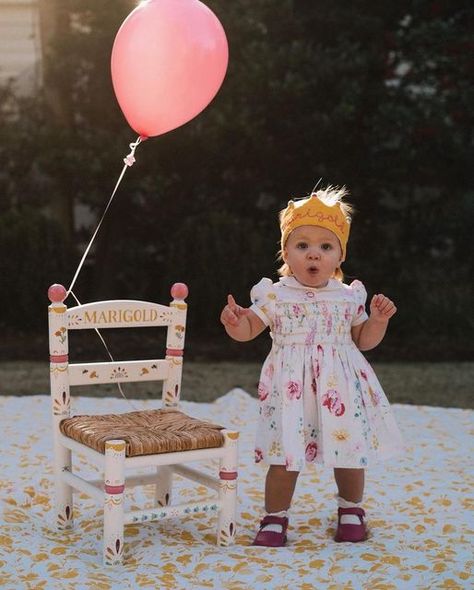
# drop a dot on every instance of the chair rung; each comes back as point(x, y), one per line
point(173, 458)
point(95, 487)
point(170, 511)
point(132, 481)
point(90, 488)
point(118, 372)
point(197, 476)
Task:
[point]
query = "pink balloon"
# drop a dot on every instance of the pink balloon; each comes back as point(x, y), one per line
point(168, 61)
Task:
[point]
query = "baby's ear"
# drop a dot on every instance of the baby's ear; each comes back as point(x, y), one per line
point(284, 255)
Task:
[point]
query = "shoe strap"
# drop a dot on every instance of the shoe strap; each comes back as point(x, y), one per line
point(270, 519)
point(357, 511)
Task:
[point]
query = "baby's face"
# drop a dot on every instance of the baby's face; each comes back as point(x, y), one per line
point(313, 253)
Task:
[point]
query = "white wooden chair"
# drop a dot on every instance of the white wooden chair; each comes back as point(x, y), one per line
point(165, 439)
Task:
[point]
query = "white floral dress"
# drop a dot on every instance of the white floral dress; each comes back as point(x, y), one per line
point(320, 400)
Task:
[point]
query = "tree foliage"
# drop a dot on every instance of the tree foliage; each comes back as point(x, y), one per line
point(374, 96)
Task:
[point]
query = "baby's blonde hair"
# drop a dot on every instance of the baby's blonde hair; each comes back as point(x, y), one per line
point(329, 196)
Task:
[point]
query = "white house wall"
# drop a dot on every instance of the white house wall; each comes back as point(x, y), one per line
point(20, 46)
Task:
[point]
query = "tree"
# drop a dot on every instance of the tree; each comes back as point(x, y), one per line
point(374, 96)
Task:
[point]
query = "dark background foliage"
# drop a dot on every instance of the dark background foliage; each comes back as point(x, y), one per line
point(374, 96)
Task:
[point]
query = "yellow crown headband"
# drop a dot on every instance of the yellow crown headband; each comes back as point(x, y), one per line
point(313, 211)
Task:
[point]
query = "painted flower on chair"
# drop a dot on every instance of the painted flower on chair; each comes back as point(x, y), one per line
point(262, 391)
point(61, 404)
point(113, 553)
point(118, 373)
point(294, 390)
point(311, 451)
point(65, 518)
point(179, 331)
point(61, 334)
point(75, 319)
point(258, 455)
point(332, 401)
point(226, 535)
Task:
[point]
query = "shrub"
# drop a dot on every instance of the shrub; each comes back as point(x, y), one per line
point(34, 253)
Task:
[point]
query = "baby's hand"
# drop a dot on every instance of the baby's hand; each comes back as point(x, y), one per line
point(382, 308)
point(233, 314)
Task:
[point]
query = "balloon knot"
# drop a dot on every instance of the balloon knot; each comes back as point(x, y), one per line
point(129, 159)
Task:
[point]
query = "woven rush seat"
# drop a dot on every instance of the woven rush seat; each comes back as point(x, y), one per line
point(145, 432)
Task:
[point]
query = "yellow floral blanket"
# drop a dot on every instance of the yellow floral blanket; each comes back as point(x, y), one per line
point(419, 510)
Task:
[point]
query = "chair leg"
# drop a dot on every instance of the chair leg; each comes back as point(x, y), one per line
point(228, 490)
point(164, 485)
point(63, 492)
point(114, 478)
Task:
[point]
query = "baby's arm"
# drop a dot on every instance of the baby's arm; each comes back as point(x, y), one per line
point(370, 333)
point(240, 323)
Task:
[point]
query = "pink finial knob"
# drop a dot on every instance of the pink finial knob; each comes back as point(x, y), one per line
point(179, 291)
point(57, 293)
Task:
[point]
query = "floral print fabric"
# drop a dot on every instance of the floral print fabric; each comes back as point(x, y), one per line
point(320, 400)
point(418, 513)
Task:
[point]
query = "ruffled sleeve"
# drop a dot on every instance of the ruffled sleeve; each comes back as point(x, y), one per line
point(263, 297)
point(360, 297)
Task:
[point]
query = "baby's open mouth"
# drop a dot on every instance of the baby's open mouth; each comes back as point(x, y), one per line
point(312, 270)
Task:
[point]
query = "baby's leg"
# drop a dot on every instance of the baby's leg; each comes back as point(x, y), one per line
point(350, 484)
point(279, 488)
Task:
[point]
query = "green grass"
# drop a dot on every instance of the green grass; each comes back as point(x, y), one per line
point(432, 384)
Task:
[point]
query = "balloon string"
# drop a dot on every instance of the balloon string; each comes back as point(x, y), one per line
point(129, 160)
point(110, 356)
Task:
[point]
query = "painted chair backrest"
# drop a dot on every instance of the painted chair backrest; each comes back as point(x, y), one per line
point(116, 314)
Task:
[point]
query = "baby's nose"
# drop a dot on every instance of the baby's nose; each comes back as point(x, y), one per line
point(313, 253)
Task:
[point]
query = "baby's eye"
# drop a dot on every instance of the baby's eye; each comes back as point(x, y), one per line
point(326, 246)
point(301, 245)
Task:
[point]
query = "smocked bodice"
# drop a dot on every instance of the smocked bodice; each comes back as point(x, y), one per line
point(303, 316)
point(312, 323)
